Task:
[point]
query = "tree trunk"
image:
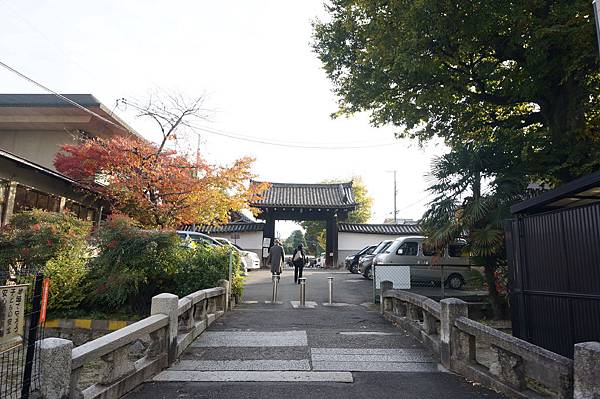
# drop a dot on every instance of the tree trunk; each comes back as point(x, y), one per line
point(490, 279)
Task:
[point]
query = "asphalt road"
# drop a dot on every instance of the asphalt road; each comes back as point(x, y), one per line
point(274, 339)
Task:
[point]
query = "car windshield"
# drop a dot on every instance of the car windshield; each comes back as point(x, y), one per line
point(238, 247)
point(382, 247)
point(363, 251)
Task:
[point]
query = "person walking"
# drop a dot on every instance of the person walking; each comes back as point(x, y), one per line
point(299, 260)
point(276, 258)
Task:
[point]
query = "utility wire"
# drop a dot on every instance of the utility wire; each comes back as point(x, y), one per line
point(77, 105)
point(230, 135)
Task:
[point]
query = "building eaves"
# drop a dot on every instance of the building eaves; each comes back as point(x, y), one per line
point(391, 229)
point(302, 195)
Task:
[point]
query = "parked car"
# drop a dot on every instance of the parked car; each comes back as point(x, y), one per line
point(192, 236)
point(250, 260)
point(321, 260)
point(427, 265)
point(351, 261)
point(365, 261)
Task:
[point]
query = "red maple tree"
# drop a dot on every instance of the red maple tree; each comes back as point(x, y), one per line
point(157, 186)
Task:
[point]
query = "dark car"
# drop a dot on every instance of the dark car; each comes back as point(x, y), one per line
point(351, 261)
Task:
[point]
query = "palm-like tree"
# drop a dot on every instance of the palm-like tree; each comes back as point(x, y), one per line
point(473, 188)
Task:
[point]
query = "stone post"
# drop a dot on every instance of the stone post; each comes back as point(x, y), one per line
point(451, 309)
point(10, 202)
point(55, 367)
point(224, 303)
point(586, 370)
point(167, 304)
point(385, 305)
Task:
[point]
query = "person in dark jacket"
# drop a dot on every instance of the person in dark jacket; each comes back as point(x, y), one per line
point(299, 260)
point(276, 258)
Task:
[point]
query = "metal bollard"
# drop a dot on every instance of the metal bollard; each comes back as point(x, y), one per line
point(275, 288)
point(302, 291)
point(330, 290)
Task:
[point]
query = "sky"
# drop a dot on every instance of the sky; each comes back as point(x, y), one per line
point(253, 63)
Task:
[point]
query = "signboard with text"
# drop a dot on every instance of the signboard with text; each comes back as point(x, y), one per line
point(12, 315)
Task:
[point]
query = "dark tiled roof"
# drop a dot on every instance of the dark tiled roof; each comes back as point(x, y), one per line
point(336, 195)
point(228, 228)
point(46, 100)
point(397, 229)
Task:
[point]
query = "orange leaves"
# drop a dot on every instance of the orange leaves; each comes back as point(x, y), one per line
point(158, 188)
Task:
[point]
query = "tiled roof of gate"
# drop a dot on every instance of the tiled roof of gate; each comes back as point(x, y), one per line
point(228, 228)
point(397, 229)
point(294, 195)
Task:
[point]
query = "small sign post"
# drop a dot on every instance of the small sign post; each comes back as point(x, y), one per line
point(12, 315)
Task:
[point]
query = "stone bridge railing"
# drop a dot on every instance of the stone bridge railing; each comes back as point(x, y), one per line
point(172, 326)
point(495, 359)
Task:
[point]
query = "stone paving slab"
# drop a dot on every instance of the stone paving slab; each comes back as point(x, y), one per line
point(249, 339)
point(254, 376)
point(307, 304)
point(247, 353)
point(370, 355)
point(249, 365)
point(405, 367)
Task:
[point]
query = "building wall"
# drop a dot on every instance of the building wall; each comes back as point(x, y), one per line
point(39, 147)
point(351, 243)
point(250, 241)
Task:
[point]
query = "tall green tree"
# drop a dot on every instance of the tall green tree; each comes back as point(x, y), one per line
point(315, 229)
point(478, 71)
point(294, 239)
point(471, 199)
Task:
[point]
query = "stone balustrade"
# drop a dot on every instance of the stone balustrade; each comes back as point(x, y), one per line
point(172, 326)
point(512, 366)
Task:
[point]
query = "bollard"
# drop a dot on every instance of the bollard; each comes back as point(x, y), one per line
point(330, 290)
point(275, 288)
point(302, 291)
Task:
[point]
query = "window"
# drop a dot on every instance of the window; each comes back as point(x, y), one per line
point(408, 248)
point(431, 251)
point(456, 250)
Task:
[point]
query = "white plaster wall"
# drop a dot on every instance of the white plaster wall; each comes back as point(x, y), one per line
point(39, 147)
point(250, 241)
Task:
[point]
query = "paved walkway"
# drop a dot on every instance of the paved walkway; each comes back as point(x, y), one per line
point(263, 350)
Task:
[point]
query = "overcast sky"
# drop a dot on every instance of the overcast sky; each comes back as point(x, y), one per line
point(251, 59)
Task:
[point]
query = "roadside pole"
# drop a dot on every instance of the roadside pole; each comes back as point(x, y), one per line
point(230, 265)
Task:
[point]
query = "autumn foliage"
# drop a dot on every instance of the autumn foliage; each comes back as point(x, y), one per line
point(156, 186)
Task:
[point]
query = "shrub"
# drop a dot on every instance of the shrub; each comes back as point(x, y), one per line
point(204, 267)
point(133, 265)
point(51, 242)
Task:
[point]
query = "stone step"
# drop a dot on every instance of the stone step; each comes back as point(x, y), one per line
point(358, 359)
point(242, 365)
point(251, 339)
point(253, 376)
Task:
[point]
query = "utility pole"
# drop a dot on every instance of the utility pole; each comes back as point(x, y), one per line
point(395, 200)
point(395, 196)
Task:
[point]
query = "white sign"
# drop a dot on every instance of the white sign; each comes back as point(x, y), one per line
point(12, 315)
point(266, 242)
point(265, 252)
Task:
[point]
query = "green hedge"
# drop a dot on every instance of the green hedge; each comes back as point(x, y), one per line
point(116, 269)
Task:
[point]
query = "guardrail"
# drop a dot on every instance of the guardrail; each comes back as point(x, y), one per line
point(495, 359)
point(172, 326)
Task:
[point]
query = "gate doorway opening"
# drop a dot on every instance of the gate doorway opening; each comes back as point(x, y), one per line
point(329, 202)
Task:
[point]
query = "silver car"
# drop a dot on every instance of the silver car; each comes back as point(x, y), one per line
point(426, 264)
point(366, 260)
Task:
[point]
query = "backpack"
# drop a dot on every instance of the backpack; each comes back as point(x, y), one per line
point(298, 256)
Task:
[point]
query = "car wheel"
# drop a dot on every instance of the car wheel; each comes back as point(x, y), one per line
point(353, 268)
point(368, 274)
point(455, 281)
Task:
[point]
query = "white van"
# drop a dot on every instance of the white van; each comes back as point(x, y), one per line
point(426, 265)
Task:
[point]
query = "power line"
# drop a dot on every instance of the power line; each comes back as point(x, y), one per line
point(81, 107)
point(230, 135)
point(276, 143)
